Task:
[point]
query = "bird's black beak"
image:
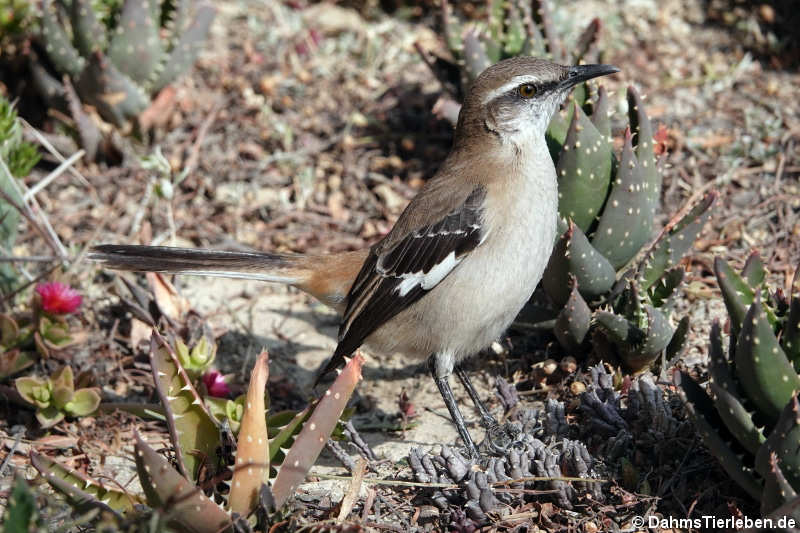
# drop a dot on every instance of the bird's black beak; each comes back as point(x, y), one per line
point(580, 73)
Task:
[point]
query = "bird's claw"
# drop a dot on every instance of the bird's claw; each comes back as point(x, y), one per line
point(501, 438)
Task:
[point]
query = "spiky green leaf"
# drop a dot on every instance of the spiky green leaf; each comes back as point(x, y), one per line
point(768, 378)
point(583, 170)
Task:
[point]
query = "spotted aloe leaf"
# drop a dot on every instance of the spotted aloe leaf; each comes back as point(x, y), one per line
point(783, 441)
point(761, 365)
point(626, 222)
point(779, 496)
point(81, 490)
point(171, 493)
point(728, 397)
point(57, 43)
point(192, 428)
point(674, 242)
point(573, 255)
point(583, 170)
point(135, 48)
point(642, 129)
point(736, 293)
point(186, 48)
point(316, 431)
point(89, 33)
point(712, 431)
point(573, 321)
point(252, 453)
point(678, 339)
point(120, 56)
point(790, 340)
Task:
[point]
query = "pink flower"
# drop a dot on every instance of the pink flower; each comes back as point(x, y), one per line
point(58, 298)
point(216, 385)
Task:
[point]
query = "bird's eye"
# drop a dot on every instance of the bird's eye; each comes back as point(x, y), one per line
point(527, 90)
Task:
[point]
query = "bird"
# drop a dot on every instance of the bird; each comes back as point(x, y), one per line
point(462, 259)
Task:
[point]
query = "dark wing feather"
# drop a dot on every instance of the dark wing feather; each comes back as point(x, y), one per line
point(376, 296)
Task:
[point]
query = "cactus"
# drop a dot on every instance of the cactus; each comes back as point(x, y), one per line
point(607, 209)
point(56, 397)
point(751, 419)
point(118, 55)
point(286, 442)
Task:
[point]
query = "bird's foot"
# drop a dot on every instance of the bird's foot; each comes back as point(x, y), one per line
point(502, 438)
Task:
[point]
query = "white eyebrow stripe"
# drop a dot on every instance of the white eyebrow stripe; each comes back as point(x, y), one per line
point(516, 81)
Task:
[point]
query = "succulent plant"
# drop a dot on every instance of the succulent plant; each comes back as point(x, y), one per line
point(286, 442)
point(607, 211)
point(118, 54)
point(55, 397)
point(43, 330)
point(511, 28)
point(17, 158)
point(199, 358)
point(751, 419)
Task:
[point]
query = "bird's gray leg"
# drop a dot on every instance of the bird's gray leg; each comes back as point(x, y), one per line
point(499, 438)
point(450, 402)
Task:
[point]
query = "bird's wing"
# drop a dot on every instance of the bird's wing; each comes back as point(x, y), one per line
point(401, 269)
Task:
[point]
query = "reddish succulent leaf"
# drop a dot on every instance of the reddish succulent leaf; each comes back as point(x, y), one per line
point(308, 444)
point(252, 454)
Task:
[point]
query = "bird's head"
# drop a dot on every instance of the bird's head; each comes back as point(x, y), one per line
point(515, 99)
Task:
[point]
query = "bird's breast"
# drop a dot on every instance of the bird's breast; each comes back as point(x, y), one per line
point(480, 298)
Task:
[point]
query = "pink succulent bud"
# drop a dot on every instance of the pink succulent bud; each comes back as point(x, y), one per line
point(58, 298)
point(216, 385)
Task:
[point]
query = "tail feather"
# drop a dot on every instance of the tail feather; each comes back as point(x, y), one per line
point(281, 268)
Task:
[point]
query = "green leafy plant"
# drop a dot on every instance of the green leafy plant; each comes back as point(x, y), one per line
point(199, 358)
point(601, 272)
point(55, 397)
point(751, 419)
point(284, 443)
point(118, 54)
point(43, 330)
point(17, 158)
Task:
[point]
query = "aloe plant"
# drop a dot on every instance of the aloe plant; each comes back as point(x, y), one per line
point(751, 419)
point(56, 397)
point(118, 54)
point(601, 273)
point(286, 443)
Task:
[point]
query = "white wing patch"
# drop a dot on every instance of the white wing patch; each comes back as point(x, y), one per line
point(431, 279)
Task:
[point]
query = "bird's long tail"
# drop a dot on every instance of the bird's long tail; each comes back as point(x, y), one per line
point(325, 277)
point(280, 268)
